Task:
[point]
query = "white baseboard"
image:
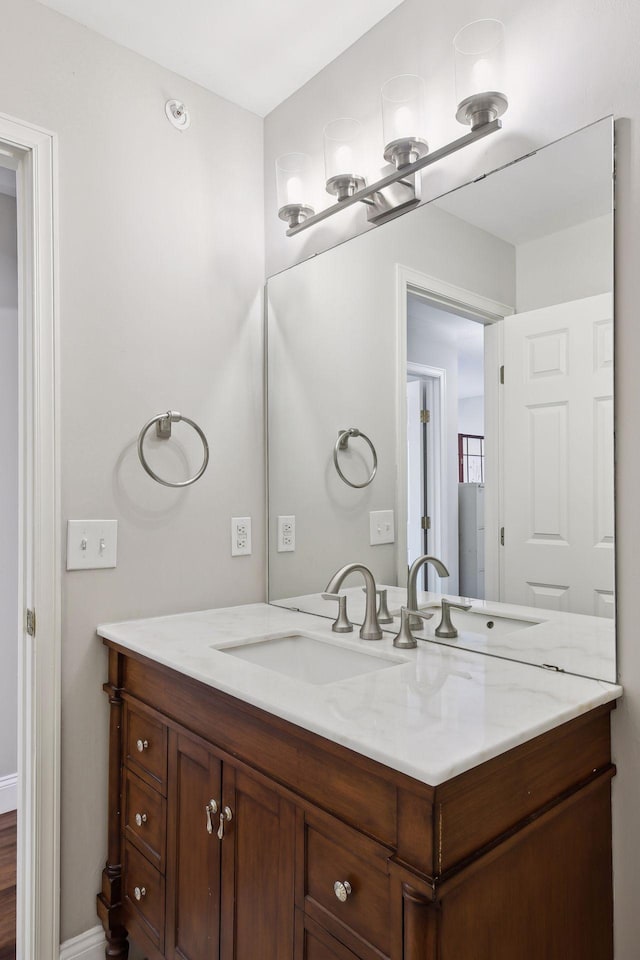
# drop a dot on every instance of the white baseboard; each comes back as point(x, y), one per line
point(87, 946)
point(8, 793)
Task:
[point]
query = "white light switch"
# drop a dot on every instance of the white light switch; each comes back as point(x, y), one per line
point(91, 544)
point(381, 527)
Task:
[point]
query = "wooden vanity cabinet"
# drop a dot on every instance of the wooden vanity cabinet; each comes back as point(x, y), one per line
point(322, 854)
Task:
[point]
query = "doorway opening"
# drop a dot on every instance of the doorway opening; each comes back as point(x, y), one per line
point(445, 410)
point(30, 569)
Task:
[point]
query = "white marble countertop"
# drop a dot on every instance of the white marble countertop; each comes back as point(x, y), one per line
point(432, 715)
point(573, 642)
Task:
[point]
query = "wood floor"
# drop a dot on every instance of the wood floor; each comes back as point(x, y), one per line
point(8, 886)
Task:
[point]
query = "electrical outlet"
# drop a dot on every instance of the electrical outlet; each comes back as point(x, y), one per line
point(240, 536)
point(381, 527)
point(286, 534)
point(91, 544)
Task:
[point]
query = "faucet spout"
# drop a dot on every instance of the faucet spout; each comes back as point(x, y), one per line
point(412, 582)
point(370, 629)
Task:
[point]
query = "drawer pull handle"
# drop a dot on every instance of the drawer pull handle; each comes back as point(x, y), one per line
point(139, 892)
point(225, 816)
point(342, 890)
point(140, 819)
point(142, 745)
point(210, 809)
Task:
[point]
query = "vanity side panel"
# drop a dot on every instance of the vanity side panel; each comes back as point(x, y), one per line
point(488, 801)
point(357, 790)
point(546, 892)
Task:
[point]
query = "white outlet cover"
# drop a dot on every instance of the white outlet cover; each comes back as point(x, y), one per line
point(92, 544)
point(381, 527)
point(286, 534)
point(240, 536)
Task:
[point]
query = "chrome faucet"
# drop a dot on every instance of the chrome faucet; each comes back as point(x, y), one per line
point(370, 629)
point(412, 581)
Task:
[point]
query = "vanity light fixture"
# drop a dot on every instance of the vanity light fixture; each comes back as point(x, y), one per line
point(479, 54)
point(293, 176)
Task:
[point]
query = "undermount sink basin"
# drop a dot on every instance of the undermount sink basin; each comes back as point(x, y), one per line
point(477, 622)
point(308, 658)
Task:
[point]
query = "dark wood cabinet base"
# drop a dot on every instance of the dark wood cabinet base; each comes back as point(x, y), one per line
point(257, 840)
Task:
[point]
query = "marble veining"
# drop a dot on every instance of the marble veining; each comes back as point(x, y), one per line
point(438, 712)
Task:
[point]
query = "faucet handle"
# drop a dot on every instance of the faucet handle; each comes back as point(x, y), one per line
point(404, 639)
point(383, 609)
point(445, 628)
point(342, 624)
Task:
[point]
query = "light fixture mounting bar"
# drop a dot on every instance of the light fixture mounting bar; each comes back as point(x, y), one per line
point(404, 173)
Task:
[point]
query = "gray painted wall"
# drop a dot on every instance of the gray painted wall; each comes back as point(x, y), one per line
point(571, 62)
point(161, 268)
point(8, 488)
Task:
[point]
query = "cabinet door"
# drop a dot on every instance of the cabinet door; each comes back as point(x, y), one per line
point(193, 854)
point(257, 871)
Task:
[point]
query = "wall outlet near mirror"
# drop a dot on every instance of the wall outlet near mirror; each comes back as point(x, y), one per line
point(286, 534)
point(240, 536)
point(381, 527)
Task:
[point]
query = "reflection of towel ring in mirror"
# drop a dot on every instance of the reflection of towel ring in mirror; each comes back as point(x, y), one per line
point(342, 443)
point(163, 431)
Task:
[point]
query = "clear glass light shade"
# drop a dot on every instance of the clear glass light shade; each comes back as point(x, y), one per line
point(403, 119)
point(293, 183)
point(479, 52)
point(344, 157)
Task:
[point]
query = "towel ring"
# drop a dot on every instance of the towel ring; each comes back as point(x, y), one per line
point(342, 443)
point(163, 431)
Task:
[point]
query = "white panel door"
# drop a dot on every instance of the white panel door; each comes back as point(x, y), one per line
point(558, 466)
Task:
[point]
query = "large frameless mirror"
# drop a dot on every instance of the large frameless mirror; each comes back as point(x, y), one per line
point(443, 385)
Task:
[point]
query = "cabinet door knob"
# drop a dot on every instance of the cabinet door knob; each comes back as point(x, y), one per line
point(140, 818)
point(142, 745)
point(342, 890)
point(211, 809)
point(139, 892)
point(225, 817)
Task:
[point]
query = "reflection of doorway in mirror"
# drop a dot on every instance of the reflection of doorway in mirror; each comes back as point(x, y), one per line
point(445, 398)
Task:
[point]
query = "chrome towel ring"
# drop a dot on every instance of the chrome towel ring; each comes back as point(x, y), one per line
point(163, 431)
point(342, 443)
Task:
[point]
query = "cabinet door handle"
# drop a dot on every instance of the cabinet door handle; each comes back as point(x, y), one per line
point(342, 890)
point(225, 816)
point(140, 819)
point(139, 892)
point(142, 745)
point(211, 809)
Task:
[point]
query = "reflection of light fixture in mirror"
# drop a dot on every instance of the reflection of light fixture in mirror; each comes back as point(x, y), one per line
point(293, 178)
point(343, 157)
point(479, 52)
point(403, 119)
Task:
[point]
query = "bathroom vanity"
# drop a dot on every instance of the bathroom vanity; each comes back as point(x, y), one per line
point(437, 805)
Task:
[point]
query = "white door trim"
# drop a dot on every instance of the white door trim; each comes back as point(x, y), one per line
point(437, 480)
point(466, 303)
point(38, 884)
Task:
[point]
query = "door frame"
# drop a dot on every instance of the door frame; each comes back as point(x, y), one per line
point(38, 848)
point(489, 312)
point(437, 443)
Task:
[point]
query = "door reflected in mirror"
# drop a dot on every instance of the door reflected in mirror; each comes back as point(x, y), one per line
point(471, 343)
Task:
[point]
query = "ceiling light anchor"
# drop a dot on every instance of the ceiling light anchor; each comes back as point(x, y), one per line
point(177, 114)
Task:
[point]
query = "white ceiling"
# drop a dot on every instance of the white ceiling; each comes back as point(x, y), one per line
point(562, 185)
point(251, 52)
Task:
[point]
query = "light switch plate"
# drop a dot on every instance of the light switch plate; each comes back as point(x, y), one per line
point(381, 527)
point(91, 544)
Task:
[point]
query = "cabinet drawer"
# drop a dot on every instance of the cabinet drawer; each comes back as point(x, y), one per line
point(146, 746)
point(144, 894)
point(362, 918)
point(145, 819)
point(314, 943)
